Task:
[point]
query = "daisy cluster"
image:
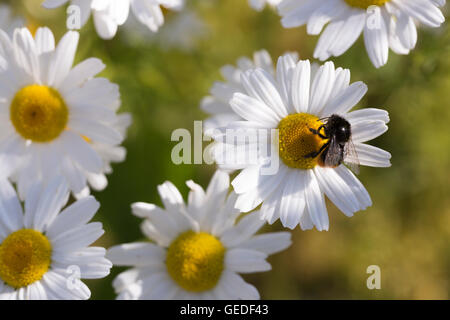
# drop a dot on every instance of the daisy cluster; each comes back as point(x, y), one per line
point(60, 132)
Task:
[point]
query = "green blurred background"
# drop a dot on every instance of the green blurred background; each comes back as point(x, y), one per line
point(407, 230)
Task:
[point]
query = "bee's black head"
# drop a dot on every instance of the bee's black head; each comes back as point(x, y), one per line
point(339, 128)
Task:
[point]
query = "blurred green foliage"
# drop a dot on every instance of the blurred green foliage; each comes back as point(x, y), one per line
point(407, 230)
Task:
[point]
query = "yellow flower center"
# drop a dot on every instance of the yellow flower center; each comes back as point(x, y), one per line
point(364, 4)
point(195, 261)
point(39, 113)
point(25, 257)
point(297, 142)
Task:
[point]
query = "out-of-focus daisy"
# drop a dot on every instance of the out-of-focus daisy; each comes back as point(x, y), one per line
point(44, 252)
point(260, 4)
point(298, 104)
point(110, 14)
point(53, 116)
point(8, 22)
point(217, 104)
point(384, 23)
point(182, 31)
point(199, 248)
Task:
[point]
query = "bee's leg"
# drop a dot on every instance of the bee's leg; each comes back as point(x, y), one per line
point(317, 131)
point(316, 153)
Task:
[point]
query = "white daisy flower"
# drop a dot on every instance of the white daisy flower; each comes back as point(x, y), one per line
point(298, 102)
point(260, 4)
point(53, 116)
point(199, 248)
point(8, 21)
point(217, 104)
point(44, 252)
point(110, 14)
point(384, 23)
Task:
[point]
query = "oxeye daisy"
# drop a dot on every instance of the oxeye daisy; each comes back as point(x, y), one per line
point(260, 4)
point(384, 23)
point(110, 14)
point(44, 252)
point(8, 22)
point(310, 111)
point(52, 115)
point(198, 250)
point(217, 104)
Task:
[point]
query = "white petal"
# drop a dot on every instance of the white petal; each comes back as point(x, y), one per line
point(347, 99)
point(91, 262)
point(129, 277)
point(148, 13)
point(170, 196)
point(244, 229)
point(10, 208)
point(163, 288)
point(160, 219)
point(78, 237)
point(54, 196)
point(74, 176)
point(321, 88)
point(371, 156)
point(80, 73)
point(377, 41)
point(293, 203)
point(367, 114)
point(81, 151)
point(56, 283)
point(357, 187)
point(367, 130)
point(301, 86)
point(268, 243)
point(63, 58)
point(136, 254)
point(337, 190)
point(196, 200)
point(254, 110)
point(77, 214)
point(424, 11)
point(266, 185)
point(51, 4)
point(246, 261)
point(44, 39)
point(237, 288)
point(105, 25)
point(315, 202)
point(95, 130)
point(285, 66)
point(260, 85)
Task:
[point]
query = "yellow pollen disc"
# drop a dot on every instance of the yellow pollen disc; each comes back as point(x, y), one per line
point(39, 113)
point(296, 140)
point(364, 4)
point(195, 261)
point(25, 257)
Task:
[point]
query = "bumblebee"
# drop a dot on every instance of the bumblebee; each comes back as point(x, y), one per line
point(338, 132)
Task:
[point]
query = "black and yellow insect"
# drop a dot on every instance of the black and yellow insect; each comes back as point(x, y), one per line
point(338, 132)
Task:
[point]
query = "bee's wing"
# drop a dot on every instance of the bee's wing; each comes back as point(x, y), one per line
point(333, 156)
point(351, 157)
